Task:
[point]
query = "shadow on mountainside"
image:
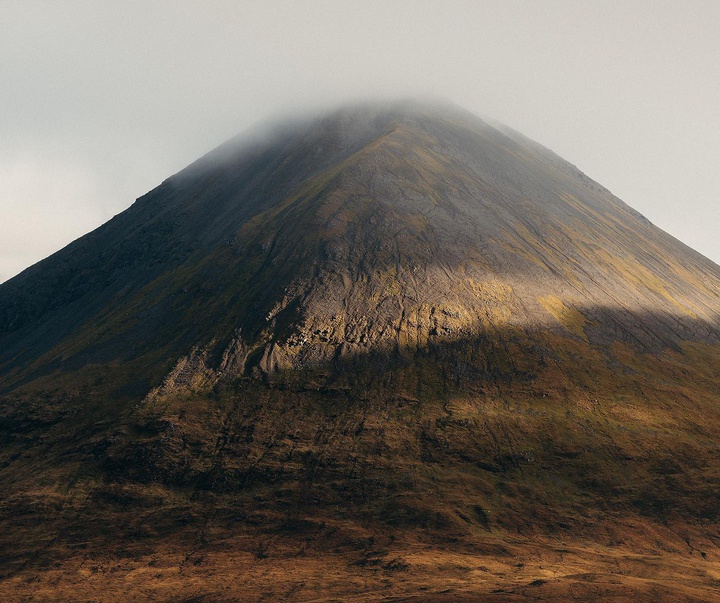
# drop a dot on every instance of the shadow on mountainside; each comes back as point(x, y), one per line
point(513, 431)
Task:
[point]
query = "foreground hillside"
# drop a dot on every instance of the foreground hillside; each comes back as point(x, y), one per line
point(391, 354)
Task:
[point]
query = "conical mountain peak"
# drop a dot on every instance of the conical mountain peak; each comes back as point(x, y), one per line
point(395, 323)
point(363, 222)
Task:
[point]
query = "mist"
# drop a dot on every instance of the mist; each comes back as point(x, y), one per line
point(102, 101)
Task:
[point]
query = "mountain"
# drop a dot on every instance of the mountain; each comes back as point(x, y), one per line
point(388, 353)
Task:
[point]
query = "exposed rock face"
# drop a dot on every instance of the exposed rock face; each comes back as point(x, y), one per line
point(388, 319)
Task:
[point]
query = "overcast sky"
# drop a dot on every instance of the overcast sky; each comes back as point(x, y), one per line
point(101, 101)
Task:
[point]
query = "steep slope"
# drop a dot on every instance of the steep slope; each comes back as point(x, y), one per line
point(395, 329)
point(356, 200)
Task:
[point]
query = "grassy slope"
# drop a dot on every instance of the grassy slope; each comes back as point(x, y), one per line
point(580, 483)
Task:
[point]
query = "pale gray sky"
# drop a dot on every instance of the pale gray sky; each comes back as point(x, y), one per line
point(102, 100)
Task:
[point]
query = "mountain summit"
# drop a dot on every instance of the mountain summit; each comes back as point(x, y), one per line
point(393, 343)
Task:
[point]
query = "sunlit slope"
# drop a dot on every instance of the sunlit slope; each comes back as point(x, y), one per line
point(394, 324)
